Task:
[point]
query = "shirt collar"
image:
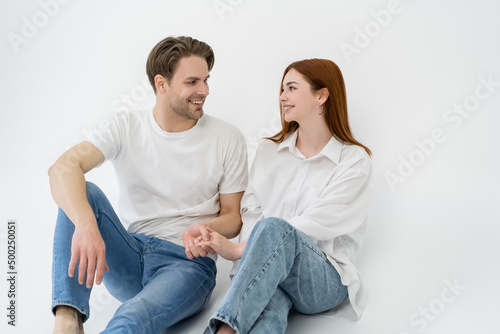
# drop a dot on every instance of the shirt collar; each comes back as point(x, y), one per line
point(332, 149)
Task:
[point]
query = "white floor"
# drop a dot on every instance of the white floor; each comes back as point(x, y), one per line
point(297, 323)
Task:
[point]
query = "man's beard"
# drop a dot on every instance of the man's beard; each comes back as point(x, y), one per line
point(181, 108)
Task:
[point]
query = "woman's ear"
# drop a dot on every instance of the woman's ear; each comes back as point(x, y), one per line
point(323, 95)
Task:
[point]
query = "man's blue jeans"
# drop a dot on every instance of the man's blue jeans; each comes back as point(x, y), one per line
point(154, 279)
point(280, 268)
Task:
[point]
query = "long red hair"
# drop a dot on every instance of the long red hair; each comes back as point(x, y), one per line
point(323, 73)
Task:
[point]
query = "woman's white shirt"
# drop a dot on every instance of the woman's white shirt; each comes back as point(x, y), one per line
point(325, 197)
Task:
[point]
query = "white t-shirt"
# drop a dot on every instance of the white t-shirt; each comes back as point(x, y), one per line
point(170, 180)
point(325, 197)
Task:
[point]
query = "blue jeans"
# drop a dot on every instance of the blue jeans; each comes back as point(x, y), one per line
point(280, 269)
point(154, 279)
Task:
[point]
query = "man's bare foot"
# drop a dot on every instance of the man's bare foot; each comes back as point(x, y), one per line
point(225, 329)
point(68, 321)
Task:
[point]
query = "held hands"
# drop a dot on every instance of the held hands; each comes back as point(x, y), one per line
point(221, 245)
point(191, 235)
point(88, 246)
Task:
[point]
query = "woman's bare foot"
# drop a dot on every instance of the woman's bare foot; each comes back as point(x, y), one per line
point(68, 321)
point(225, 329)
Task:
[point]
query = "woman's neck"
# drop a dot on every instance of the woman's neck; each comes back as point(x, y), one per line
point(310, 141)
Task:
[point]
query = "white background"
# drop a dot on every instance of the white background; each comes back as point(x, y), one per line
point(437, 225)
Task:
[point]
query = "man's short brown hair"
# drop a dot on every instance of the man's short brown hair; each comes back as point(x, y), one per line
point(165, 56)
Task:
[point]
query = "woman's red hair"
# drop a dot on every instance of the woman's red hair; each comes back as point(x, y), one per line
point(323, 73)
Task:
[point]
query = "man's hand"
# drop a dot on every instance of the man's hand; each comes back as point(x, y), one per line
point(229, 250)
point(190, 236)
point(88, 246)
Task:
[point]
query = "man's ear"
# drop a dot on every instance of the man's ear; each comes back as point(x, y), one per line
point(161, 83)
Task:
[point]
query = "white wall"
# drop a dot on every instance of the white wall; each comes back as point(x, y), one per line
point(434, 219)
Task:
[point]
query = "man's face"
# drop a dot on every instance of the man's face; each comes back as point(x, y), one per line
point(188, 88)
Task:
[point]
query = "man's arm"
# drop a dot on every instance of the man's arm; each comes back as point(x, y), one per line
point(228, 224)
point(68, 188)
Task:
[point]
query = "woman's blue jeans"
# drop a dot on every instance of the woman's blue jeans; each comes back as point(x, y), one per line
point(154, 279)
point(280, 268)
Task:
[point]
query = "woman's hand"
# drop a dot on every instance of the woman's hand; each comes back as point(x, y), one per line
point(191, 237)
point(221, 245)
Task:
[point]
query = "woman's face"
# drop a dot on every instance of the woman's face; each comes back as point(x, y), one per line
point(298, 101)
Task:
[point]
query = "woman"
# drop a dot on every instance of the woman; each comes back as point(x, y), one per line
point(304, 211)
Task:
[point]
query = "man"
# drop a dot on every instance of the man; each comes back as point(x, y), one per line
point(179, 172)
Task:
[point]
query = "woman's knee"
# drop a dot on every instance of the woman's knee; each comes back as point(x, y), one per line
point(272, 226)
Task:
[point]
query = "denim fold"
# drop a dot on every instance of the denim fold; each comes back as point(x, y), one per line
point(155, 281)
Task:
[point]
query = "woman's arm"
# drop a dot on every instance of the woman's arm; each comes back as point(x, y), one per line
point(231, 251)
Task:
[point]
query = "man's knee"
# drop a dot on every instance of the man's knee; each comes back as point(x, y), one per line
point(93, 189)
point(94, 194)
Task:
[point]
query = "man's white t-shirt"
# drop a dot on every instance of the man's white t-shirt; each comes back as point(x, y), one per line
point(170, 180)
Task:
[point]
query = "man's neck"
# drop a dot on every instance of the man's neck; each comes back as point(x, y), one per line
point(169, 121)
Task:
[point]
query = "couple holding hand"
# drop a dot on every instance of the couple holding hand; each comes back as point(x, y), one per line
point(184, 192)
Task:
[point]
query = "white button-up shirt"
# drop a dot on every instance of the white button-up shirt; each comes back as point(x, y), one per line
point(325, 197)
